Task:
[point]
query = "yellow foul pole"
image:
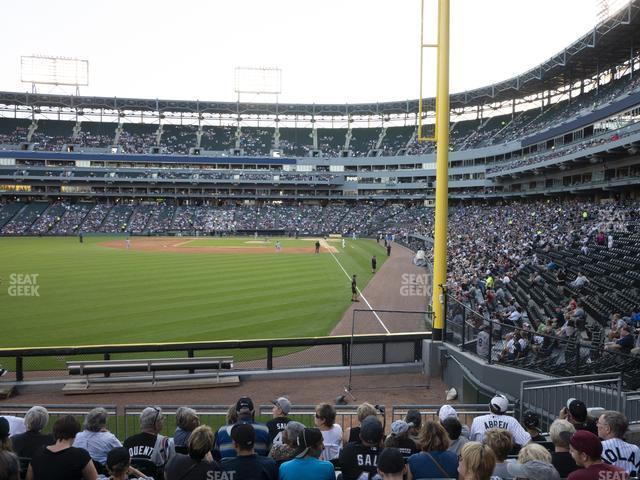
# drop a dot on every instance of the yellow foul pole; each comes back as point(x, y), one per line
point(442, 171)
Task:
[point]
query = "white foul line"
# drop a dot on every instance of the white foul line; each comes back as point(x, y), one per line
point(363, 297)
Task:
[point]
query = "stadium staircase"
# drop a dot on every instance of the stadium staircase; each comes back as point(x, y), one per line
point(9, 211)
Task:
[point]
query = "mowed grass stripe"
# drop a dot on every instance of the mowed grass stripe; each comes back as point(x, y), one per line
point(91, 294)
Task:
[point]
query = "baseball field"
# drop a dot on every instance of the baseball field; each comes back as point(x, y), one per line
point(58, 291)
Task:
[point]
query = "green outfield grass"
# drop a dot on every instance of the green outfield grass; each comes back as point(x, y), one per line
point(90, 295)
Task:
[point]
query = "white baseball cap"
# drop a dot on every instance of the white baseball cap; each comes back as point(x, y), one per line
point(447, 411)
point(500, 403)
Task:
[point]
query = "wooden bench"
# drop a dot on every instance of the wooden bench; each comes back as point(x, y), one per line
point(122, 383)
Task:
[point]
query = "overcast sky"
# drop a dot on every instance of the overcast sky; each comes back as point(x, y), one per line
point(329, 51)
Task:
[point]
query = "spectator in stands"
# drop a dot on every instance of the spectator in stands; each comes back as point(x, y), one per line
point(477, 462)
point(483, 342)
point(447, 411)
point(149, 443)
point(9, 466)
point(580, 281)
point(534, 463)
point(624, 344)
point(246, 414)
point(435, 460)
point(187, 421)
point(307, 463)
point(16, 424)
point(586, 450)
point(325, 418)
point(399, 439)
point(5, 443)
point(414, 418)
point(280, 410)
point(118, 465)
point(364, 410)
point(612, 427)
point(62, 460)
point(96, 438)
point(391, 464)
point(454, 430)
point(576, 413)
point(232, 416)
point(199, 462)
point(287, 450)
point(531, 422)
point(246, 465)
point(358, 458)
point(35, 420)
point(500, 441)
point(560, 433)
point(498, 418)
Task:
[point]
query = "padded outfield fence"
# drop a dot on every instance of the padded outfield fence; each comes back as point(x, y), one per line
point(263, 354)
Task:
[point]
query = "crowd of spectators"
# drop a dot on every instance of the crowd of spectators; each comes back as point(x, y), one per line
point(258, 141)
point(495, 445)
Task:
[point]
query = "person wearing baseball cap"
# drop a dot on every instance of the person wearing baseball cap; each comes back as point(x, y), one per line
point(586, 450)
point(280, 410)
point(533, 470)
point(447, 411)
point(307, 464)
point(576, 413)
point(531, 422)
point(498, 418)
point(399, 439)
point(245, 412)
point(246, 464)
point(118, 465)
point(358, 458)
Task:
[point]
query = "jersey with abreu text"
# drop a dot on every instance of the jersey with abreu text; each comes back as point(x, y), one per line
point(484, 422)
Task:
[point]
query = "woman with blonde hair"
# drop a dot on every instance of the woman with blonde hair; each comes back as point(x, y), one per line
point(199, 462)
point(364, 410)
point(434, 461)
point(477, 462)
point(534, 463)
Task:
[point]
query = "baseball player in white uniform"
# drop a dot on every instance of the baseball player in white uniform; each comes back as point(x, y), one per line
point(611, 429)
point(497, 419)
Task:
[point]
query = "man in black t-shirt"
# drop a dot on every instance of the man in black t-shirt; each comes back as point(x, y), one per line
point(281, 407)
point(362, 458)
point(149, 443)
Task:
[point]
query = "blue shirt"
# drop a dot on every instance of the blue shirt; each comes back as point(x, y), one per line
point(224, 445)
point(307, 468)
point(422, 466)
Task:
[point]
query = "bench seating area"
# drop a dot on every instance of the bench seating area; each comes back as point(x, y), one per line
point(98, 374)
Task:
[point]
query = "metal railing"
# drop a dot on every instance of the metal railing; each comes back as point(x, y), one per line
point(261, 354)
point(548, 397)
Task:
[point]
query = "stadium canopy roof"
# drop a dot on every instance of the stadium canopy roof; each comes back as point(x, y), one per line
point(610, 43)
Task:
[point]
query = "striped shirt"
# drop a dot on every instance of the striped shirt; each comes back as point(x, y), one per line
point(616, 451)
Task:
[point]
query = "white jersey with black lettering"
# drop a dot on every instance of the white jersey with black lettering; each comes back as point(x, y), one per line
point(616, 451)
point(484, 422)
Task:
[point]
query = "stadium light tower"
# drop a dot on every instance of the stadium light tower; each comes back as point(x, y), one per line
point(442, 160)
point(56, 71)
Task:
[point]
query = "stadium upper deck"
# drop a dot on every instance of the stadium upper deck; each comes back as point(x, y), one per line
point(572, 121)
